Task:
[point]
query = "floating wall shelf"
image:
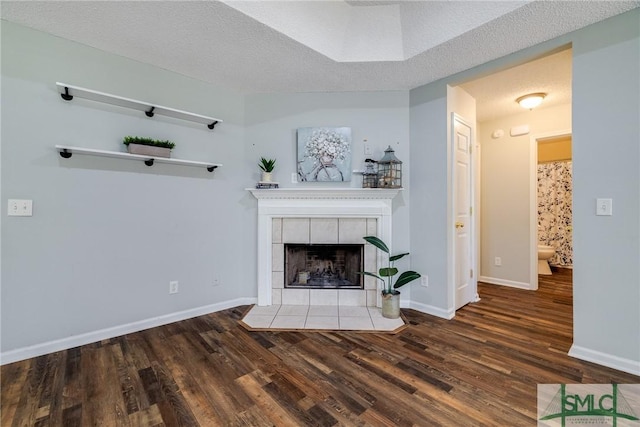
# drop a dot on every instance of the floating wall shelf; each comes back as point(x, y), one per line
point(67, 92)
point(66, 151)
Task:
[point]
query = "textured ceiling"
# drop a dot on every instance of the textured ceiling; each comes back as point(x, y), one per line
point(213, 42)
point(374, 31)
point(496, 94)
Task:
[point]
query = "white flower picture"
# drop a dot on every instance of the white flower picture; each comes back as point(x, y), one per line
point(324, 154)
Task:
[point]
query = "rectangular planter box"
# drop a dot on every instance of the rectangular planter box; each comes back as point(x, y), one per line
point(149, 150)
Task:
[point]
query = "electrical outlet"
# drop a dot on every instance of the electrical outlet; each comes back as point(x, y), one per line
point(498, 261)
point(367, 149)
point(294, 178)
point(173, 287)
point(424, 281)
point(216, 282)
point(17, 207)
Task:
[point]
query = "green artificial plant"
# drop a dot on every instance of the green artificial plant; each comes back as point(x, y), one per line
point(148, 141)
point(267, 165)
point(389, 271)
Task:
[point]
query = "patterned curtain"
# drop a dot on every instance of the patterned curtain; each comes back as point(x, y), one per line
point(554, 210)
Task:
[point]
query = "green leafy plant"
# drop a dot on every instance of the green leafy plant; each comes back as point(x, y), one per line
point(389, 271)
point(148, 141)
point(267, 165)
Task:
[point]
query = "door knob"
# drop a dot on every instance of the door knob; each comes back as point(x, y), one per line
point(459, 224)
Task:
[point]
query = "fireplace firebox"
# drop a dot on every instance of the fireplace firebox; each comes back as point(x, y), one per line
point(324, 266)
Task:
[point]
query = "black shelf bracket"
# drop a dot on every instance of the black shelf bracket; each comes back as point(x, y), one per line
point(66, 96)
point(65, 154)
point(211, 126)
point(150, 113)
point(211, 168)
point(148, 162)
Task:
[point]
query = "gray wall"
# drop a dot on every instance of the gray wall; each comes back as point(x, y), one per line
point(605, 106)
point(429, 196)
point(606, 155)
point(382, 118)
point(108, 235)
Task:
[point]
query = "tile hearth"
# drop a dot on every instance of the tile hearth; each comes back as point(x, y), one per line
point(320, 317)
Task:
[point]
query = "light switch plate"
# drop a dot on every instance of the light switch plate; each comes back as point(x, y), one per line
point(604, 207)
point(19, 207)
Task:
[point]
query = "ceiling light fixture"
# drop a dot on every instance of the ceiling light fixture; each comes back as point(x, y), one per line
point(531, 100)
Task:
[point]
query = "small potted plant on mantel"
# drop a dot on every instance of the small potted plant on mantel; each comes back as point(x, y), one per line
point(390, 297)
point(267, 166)
point(148, 146)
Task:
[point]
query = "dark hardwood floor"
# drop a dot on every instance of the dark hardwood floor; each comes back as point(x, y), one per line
point(479, 369)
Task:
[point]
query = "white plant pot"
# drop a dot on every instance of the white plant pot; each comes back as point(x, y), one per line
point(391, 305)
point(266, 177)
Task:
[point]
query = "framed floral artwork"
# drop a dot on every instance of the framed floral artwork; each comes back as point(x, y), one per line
point(324, 154)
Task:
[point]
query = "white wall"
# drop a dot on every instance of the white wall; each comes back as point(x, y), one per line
point(505, 175)
point(605, 112)
point(108, 235)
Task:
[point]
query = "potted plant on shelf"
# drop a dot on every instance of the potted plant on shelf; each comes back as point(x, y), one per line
point(148, 146)
point(390, 296)
point(267, 166)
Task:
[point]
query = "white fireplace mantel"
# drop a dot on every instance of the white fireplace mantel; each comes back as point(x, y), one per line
point(317, 202)
point(325, 193)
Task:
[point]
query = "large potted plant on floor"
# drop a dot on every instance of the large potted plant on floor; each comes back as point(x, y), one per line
point(390, 296)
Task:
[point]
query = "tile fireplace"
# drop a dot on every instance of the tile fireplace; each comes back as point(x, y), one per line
point(318, 217)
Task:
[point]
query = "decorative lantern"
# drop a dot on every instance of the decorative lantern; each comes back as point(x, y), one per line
point(389, 170)
point(370, 174)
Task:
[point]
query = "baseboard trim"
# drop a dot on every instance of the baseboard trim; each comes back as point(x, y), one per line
point(503, 282)
point(604, 359)
point(432, 310)
point(116, 331)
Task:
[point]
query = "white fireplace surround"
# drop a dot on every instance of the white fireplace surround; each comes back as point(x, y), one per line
point(316, 203)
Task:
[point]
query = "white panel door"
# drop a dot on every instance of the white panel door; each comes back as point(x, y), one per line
point(464, 285)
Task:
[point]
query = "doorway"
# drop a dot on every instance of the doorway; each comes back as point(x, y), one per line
point(550, 189)
point(507, 230)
